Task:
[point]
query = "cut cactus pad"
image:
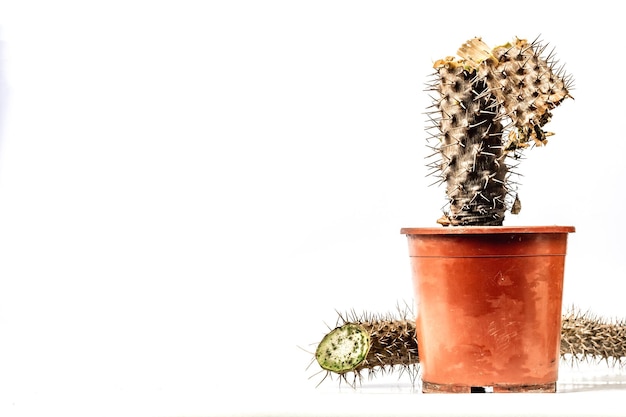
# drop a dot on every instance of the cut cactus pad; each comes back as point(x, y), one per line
point(343, 349)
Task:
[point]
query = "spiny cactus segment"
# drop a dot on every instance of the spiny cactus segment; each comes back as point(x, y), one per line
point(389, 344)
point(488, 105)
point(586, 337)
point(372, 343)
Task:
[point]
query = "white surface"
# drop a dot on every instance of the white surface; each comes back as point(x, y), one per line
point(587, 390)
point(188, 191)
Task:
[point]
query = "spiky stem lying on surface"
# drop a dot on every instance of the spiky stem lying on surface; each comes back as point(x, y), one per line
point(587, 337)
point(489, 105)
point(387, 344)
point(391, 345)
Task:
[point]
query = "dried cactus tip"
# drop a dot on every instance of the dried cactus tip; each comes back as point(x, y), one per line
point(475, 51)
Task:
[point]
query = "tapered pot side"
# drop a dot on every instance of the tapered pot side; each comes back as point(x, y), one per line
point(489, 306)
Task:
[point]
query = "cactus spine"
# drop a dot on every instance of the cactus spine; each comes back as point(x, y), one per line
point(393, 344)
point(487, 107)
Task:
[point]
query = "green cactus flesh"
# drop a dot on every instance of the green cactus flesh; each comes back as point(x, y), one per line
point(344, 348)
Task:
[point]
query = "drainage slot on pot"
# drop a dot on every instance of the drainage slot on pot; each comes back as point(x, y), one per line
point(481, 390)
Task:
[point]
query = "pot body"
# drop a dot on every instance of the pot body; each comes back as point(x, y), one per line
point(489, 305)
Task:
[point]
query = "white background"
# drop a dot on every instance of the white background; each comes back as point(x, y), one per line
point(189, 190)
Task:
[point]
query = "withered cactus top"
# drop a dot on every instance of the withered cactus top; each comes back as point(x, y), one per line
point(489, 105)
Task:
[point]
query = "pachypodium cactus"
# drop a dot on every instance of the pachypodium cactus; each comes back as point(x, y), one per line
point(488, 106)
point(369, 343)
point(585, 336)
point(372, 344)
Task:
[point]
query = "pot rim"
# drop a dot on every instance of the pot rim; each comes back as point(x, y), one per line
point(476, 230)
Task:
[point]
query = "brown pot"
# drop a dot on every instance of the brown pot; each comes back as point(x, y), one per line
point(489, 305)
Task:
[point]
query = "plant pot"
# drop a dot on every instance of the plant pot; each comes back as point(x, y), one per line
point(489, 305)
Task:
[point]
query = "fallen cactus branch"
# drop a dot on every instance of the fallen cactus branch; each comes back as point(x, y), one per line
point(375, 344)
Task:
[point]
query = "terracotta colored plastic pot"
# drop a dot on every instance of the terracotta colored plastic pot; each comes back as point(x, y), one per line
point(489, 305)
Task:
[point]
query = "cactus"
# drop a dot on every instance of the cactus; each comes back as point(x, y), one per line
point(393, 345)
point(372, 343)
point(585, 336)
point(488, 106)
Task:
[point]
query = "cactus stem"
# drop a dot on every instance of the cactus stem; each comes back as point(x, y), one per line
point(477, 95)
point(392, 345)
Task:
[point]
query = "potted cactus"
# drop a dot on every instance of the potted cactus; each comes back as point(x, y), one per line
point(489, 296)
